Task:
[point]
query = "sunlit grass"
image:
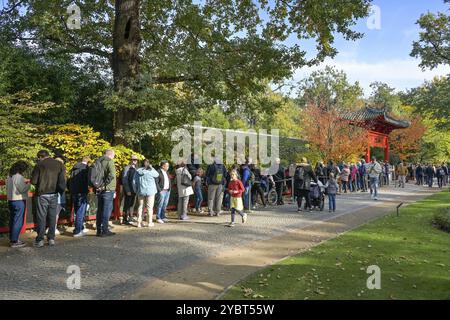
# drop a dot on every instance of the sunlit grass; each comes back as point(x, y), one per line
point(414, 258)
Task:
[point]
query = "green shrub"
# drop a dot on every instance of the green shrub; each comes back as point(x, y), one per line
point(442, 219)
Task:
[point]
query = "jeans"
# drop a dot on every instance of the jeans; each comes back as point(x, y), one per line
point(46, 215)
point(128, 206)
point(17, 211)
point(345, 186)
point(163, 200)
point(374, 186)
point(332, 202)
point(104, 208)
point(80, 206)
point(247, 194)
point(198, 198)
point(401, 181)
point(440, 181)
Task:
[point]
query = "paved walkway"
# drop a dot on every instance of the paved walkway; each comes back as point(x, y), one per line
point(181, 260)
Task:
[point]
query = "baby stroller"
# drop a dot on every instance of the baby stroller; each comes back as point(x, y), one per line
point(317, 195)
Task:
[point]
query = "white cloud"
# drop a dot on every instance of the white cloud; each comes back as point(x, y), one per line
point(398, 73)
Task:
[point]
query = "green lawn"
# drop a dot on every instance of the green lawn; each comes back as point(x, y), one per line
point(414, 258)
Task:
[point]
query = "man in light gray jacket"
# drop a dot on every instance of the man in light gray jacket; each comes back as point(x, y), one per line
point(374, 169)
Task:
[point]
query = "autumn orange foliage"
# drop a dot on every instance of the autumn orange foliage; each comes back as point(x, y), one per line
point(405, 142)
point(331, 136)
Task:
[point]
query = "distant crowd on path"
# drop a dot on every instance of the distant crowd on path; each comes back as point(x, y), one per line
point(235, 189)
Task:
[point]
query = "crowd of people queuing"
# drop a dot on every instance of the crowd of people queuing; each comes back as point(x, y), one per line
point(234, 189)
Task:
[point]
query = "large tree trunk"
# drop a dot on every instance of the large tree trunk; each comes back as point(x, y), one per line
point(125, 60)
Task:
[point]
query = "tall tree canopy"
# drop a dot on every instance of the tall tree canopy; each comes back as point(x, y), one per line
point(167, 58)
point(433, 46)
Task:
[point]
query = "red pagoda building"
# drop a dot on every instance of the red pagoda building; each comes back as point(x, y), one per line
point(379, 125)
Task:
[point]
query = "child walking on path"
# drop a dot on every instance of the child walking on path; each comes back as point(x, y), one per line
point(236, 189)
point(332, 187)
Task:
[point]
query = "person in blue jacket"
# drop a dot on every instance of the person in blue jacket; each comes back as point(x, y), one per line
point(145, 186)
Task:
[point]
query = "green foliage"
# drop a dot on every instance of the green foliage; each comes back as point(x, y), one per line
point(442, 219)
point(384, 97)
point(329, 89)
point(76, 141)
point(432, 100)
point(433, 46)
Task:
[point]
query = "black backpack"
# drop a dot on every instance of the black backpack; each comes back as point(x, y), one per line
point(300, 174)
point(97, 175)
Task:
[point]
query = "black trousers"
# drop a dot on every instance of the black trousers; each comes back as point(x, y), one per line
point(46, 215)
point(279, 189)
point(128, 205)
point(303, 194)
point(256, 189)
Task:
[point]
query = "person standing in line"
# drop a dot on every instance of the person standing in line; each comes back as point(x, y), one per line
point(17, 188)
point(246, 179)
point(430, 172)
point(198, 190)
point(401, 171)
point(215, 180)
point(440, 174)
point(374, 170)
point(345, 174)
point(79, 188)
point(256, 187)
point(302, 183)
point(331, 187)
point(164, 186)
point(106, 192)
point(49, 178)
point(279, 178)
point(236, 189)
point(184, 187)
point(145, 186)
point(129, 192)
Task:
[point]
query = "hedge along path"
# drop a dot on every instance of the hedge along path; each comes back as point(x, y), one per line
point(210, 278)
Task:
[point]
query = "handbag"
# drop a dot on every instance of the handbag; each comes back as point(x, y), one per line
point(185, 180)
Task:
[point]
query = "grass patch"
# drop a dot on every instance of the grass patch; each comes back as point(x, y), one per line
point(413, 255)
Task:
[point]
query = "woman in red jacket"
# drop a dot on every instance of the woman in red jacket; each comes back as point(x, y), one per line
point(236, 188)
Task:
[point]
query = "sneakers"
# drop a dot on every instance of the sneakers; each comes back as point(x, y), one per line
point(151, 224)
point(139, 225)
point(51, 242)
point(244, 218)
point(160, 221)
point(39, 244)
point(232, 224)
point(18, 244)
point(299, 210)
point(85, 231)
point(184, 218)
point(79, 235)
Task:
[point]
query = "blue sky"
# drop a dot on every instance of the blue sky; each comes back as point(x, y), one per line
point(383, 55)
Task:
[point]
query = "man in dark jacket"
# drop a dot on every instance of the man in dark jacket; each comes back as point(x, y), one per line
point(79, 189)
point(256, 187)
point(163, 185)
point(105, 196)
point(429, 171)
point(49, 178)
point(302, 182)
point(279, 178)
point(128, 190)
